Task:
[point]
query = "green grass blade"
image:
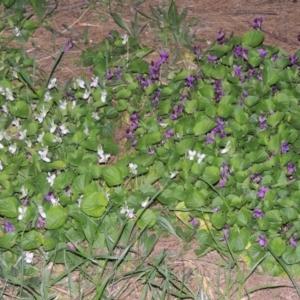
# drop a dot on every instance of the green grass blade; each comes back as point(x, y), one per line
point(57, 60)
point(120, 22)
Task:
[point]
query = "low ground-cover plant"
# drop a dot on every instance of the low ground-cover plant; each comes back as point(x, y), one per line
point(218, 146)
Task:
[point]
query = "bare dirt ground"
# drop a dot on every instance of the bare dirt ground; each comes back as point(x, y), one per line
point(281, 26)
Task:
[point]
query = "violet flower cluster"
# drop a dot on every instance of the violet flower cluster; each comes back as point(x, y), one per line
point(239, 51)
point(176, 112)
point(197, 51)
point(133, 127)
point(221, 37)
point(262, 191)
point(257, 23)
point(117, 74)
point(8, 227)
point(224, 171)
point(263, 122)
point(218, 89)
point(218, 129)
point(154, 70)
point(258, 214)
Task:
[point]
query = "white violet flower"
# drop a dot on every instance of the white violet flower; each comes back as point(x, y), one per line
point(43, 154)
point(95, 81)
point(22, 134)
point(63, 104)
point(64, 129)
point(24, 192)
point(28, 143)
point(103, 158)
point(133, 168)
point(16, 123)
point(103, 96)
point(5, 109)
point(80, 82)
point(86, 130)
point(40, 137)
point(86, 94)
point(125, 39)
point(17, 31)
point(52, 84)
point(51, 178)
point(192, 154)
point(95, 116)
point(79, 200)
point(54, 201)
point(22, 212)
point(9, 94)
point(41, 212)
point(127, 211)
point(57, 139)
point(226, 149)
point(28, 257)
point(1, 166)
point(200, 157)
point(173, 174)
point(144, 203)
point(12, 148)
point(53, 126)
point(47, 97)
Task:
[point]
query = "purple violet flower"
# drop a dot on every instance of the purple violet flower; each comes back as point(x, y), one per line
point(219, 90)
point(49, 196)
point(294, 60)
point(164, 55)
point(8, 227)
point(293, 241)
point(109, 75)
point(258, 214)
point(262, 191)
point(193, 221)
point(189, 80)
point(237, 70)
point(221, 35)
point(262, 52)
point(274, 57)
point(71, 246)
point(290, 168)
point(284, 147)
point(24, 202)
point(257, 23)
point(151, 151)
point(226, 234)
point(216, 209)
point(262, 119)
point(262, 240)
point(211, 59)
point(156, 98)
point(154, 71)
point(224, 171)
point(239, 51)
point(222, 182)
point(41, 222)
point(209, 139)
point(169, 133)
point(197, 51)
point(133, 142)
point(256, 178)
point(119, 73)
point(69, 45)
point(111, 37)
